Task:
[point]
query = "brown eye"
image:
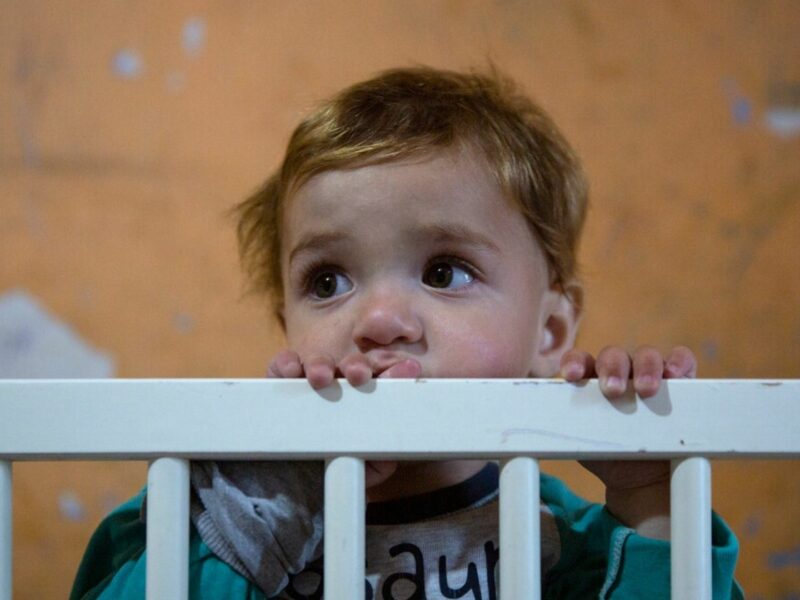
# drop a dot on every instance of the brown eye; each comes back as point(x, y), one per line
point(448, 275)
point(439, 275)
point(329, 284)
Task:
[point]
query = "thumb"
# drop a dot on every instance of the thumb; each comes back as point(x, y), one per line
point(407, 369)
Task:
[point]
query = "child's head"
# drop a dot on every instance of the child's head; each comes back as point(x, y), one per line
point(422, 173)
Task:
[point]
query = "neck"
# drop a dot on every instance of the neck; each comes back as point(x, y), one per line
point(412, 478)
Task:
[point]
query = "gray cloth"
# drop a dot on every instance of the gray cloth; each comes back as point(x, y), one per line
point(262, 518)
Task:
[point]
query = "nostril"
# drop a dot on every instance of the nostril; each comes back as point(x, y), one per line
point(383, 327)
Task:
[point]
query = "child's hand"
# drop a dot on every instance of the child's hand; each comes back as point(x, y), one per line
point(637, 492)
point(614, 367)
point(321, 370)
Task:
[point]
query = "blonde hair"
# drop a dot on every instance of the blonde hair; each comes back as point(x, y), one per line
point(403, 112)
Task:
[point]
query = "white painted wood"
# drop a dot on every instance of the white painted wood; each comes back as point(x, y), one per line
point(168, 529)
point(520, 545)
point(6, 548)
point(345, 536)
point(690, 524)
point(144, 419)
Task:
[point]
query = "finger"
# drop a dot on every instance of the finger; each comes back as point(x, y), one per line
point(576, 365)
point(648, 368)
point(320, 370)
point(407, 369)
point(613, 368)
point(681, 362)
point(356, 369)
point(285, 365)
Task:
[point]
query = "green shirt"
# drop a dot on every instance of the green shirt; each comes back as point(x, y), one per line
point(597, 557)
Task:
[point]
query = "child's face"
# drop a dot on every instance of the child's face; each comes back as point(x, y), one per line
point(421, 258)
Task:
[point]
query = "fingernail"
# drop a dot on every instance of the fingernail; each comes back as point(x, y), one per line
point(614, 384)
point(673, 369)
point(572, 371)
point(645, 381)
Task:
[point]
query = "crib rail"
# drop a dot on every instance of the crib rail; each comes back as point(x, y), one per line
point(519, 421)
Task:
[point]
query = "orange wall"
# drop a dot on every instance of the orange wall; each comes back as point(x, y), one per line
point(128, 128)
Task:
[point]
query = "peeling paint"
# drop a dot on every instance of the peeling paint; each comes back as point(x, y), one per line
point(783, 121)
point(35, 344)
point(194, 36)
point(740, 106)
point(183, 322)
point(710, 350)
point(783, 115)
point(70, 506)
point(752, 525)
point(784, 559)
point(127, 64)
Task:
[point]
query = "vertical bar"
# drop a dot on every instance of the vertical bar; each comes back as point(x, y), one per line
point(690, 525)
point(168, 529)
point(344, 529)
point(5, 530)
point(520, 562)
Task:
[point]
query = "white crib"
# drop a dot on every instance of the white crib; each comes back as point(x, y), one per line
point(171, 421)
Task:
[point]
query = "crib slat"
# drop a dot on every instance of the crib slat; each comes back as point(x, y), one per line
point(5, 530)
point(520, 545)
point(691, 528)
point(168, 529)
point(344, 529)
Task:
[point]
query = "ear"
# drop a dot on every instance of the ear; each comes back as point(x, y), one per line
point(561, 315)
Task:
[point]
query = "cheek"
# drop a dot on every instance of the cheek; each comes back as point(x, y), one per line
point(308, 335)
point(489, 355)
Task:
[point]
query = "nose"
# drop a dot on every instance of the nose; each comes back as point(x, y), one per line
point(386, 316)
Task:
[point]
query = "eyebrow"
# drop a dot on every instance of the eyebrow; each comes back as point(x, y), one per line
point(317, 240)
point(453, 233)
point(458, 234)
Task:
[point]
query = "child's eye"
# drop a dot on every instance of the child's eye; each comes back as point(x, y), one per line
point(327, 284)
point(447, 275)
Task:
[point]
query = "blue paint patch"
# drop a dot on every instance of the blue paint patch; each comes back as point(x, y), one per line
point(183, 322)
point(783, 121)
point(710, 350)
point(742, 110)
point(127, 64)
point(16, 341)
point(70, 507)
point(784, 559)
point(194, 36)
point(740, 106)
point(752, 526)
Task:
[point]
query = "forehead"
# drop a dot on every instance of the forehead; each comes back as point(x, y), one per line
point(452, 185)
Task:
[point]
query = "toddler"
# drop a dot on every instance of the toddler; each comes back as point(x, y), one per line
point(424, 223)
